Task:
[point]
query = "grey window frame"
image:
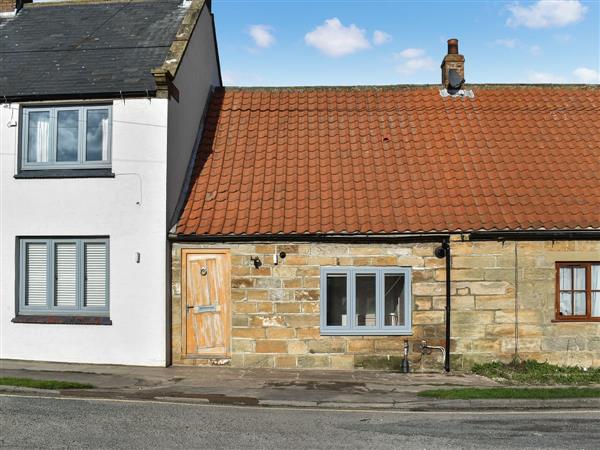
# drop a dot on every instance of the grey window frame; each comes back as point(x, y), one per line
point(50, 309)
point(350, 329)
point(81, 150)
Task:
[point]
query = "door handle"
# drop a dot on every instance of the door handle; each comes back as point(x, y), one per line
point(207, 308)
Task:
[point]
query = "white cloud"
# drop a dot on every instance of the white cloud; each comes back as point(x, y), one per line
point(334, 39)
point(381, 37)
point(508, 43)
point(544, 77)
point(262, 35)
point(546, 13)
point(411, 66)
point(535, 50)
point(586, 75)
point(413, 60)
point(410, 53)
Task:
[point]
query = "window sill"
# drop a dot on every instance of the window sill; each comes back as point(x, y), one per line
point(591, 320)
point(63, 320)
point(366, 333)
point(65, 173)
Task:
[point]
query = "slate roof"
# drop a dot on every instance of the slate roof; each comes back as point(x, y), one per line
point(89, 49)
point(396, 160)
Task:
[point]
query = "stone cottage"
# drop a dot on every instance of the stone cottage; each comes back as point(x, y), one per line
point(324, 227)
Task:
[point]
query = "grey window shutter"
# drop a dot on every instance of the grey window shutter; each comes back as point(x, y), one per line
point(36, 265)
point(65, 289)
point(95, 275)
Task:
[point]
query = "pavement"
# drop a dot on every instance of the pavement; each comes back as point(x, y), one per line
point(328, 389)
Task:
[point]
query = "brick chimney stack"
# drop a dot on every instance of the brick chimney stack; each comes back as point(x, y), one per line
point(453, 60)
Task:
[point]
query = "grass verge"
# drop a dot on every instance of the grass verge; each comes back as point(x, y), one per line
point(42, 384)
point(507, 392)
point(533, 372)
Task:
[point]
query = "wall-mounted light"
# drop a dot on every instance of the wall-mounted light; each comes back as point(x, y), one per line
point(440, 252)
point(138, 257)
point(256, 260)
point(277, 257)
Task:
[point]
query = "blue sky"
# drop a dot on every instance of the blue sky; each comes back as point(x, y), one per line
point(293, 42)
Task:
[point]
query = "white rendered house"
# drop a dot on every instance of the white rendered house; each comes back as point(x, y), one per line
point(97, 131)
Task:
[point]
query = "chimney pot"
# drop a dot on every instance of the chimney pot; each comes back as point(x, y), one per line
point(455, 62)
point(453, 46)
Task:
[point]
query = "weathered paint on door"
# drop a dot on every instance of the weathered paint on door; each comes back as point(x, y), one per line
point(206, 302)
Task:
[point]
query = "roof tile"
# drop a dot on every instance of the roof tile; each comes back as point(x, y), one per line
point(396, 160)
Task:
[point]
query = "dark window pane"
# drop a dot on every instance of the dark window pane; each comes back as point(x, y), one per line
point(67, 143)
point(366, 304)
point(336, 300)
point(96, 140)
point(38, 136)
point(394, 300)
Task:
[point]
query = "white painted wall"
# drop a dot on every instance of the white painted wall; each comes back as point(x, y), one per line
point(95, 206)
point(143, 130)
point(198, 73)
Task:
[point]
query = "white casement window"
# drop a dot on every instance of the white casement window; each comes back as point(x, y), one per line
point(66, 137)
point(365, 301)
point(64, 276)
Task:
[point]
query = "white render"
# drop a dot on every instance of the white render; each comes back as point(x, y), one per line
point(131, 209)
point(197, 74)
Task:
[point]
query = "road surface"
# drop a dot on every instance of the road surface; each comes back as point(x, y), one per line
point(36, 422)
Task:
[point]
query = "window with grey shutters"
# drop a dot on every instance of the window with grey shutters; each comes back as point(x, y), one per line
point(64, 276)
point(36, 268)
point(95, 275)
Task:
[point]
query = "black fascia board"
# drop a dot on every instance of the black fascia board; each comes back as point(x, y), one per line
point(116, 95)
point(535, 235)
point(340, 238)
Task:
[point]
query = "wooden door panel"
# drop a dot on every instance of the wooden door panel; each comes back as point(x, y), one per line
point(206, 315)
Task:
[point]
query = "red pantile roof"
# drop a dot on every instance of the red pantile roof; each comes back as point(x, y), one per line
point(396, 160)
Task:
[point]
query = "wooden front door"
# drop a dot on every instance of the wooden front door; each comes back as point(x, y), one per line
point(205, 302)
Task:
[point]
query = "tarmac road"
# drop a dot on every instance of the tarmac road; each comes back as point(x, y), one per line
point(41, 422)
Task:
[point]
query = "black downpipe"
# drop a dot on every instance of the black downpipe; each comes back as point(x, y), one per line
point(446, 247)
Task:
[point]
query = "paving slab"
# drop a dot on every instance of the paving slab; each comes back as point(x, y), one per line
point(357, 389)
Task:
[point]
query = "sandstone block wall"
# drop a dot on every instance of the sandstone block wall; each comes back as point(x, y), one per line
point(7, 5)
point(275, 320)
point(512, 286)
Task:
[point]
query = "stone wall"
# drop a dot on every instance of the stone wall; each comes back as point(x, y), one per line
point(495, 316)
point(275, 320)
point(7, 6)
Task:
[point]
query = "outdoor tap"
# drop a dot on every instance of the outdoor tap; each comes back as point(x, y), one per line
point(426, 350)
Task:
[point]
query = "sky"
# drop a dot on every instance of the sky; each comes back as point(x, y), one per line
point(308, 43)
